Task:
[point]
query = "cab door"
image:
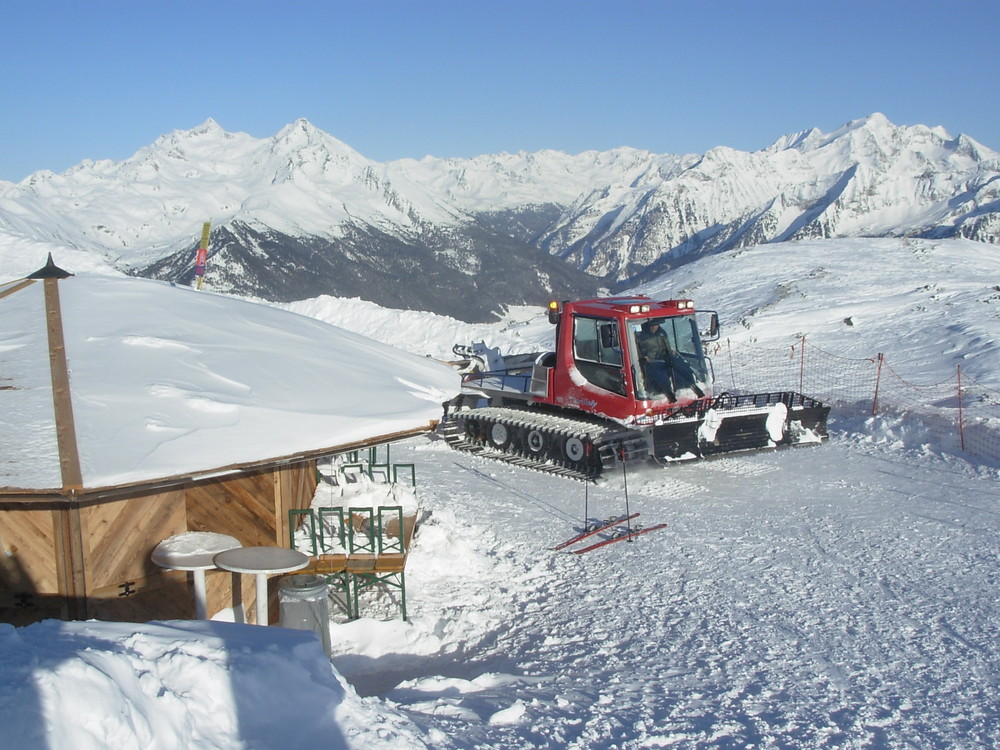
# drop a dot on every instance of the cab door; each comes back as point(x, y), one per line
point(596, 381)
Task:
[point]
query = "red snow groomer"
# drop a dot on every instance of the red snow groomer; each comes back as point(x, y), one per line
point(628, 381)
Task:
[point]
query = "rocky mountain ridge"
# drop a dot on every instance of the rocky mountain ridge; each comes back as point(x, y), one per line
point(302, 214)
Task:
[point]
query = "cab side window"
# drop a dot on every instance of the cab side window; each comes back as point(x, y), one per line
point(598, 353)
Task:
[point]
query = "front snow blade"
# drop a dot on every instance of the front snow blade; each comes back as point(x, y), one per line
point(742, 423)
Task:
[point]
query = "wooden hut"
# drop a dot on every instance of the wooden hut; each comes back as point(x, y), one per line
point(134, 410)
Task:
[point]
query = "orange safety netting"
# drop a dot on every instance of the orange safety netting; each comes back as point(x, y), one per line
point(958, 414)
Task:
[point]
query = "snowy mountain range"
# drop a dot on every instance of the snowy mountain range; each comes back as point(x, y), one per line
point(302, 214)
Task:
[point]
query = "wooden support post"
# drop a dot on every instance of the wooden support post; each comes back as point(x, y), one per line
point(282, 486)
point(70, 561)
point(69, 457)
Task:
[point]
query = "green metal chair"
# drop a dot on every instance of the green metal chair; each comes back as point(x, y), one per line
point(361, 531)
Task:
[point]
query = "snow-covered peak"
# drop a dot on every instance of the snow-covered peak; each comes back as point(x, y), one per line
point(209, 128)
point(963, 145)
point(303, 137)
point(301, 150)
point(206, 142)
point(493, 182)
point(795, 140)
point(875, 122)
point(302, 134)
point(875, 136)
point(875, 125)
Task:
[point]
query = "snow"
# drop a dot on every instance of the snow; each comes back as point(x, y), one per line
point(199, 546)
point(928, 305)
point(788, 603)
point(166, 380)
point(93, 686)
point(842, 595)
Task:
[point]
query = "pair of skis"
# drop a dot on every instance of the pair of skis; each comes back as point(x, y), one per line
point(607, 526)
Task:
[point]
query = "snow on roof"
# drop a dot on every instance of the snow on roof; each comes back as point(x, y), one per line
point(165, 381)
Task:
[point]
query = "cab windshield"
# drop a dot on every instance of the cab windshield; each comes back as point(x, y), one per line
point(669, 356)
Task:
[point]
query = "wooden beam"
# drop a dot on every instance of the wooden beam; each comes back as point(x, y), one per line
point(69, 456)
point(282, 488)
point(16, 287)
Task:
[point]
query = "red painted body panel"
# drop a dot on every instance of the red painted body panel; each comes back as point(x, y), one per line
point(571, 389)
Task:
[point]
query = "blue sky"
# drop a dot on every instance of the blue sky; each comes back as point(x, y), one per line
point(397, 78)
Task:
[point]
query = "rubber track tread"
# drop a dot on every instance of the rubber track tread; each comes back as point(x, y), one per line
point(596, 433)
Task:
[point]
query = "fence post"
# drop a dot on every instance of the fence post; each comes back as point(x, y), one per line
point(961, 425)
point(732, 372)
point(878, 380)
point(802, 365)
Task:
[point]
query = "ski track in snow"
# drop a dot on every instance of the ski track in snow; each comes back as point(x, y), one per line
point(787, 604)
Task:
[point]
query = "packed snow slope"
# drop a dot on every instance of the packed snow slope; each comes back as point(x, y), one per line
point(835, 596)
point(929, 305)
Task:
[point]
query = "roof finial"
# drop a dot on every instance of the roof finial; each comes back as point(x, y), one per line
point(49, 271)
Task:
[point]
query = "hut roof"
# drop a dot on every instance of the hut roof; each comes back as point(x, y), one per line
point(111, 382)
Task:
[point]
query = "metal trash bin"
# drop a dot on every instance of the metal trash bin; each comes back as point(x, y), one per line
point(303, 606)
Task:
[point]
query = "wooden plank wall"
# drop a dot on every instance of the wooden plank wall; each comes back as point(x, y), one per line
point(29, 582)
point(122, 582)
point(241, 506)
point(75, 561)
point(120, 536)
point(164, 595)
point(252, 507)
point(92, 559)
point(294, 490)
point(26, 544)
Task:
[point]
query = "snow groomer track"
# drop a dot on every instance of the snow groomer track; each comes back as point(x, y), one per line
point(537, 440)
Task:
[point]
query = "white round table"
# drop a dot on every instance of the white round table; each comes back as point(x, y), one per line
point(193, 551)
point(261, 561)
